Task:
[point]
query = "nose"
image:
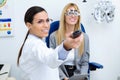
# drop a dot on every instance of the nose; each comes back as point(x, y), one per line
point(46, 24)
point(72, 15)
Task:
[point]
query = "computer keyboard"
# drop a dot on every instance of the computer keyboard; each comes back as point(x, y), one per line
point(1, 65)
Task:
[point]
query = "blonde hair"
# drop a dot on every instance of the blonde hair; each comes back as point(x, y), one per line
point(60, 34)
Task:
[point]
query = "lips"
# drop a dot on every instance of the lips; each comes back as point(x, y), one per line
point(45, 31)
point(72, 20)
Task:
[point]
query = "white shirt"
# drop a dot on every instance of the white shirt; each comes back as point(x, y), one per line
point(39, 62)
point(70, 58)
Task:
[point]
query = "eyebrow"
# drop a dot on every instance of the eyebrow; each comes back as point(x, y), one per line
point(71, 9)
point(40, 19)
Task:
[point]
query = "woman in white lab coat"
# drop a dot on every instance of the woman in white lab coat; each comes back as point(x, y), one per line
point(36, 60)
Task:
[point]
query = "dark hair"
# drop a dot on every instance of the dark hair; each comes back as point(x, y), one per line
point(29, 15)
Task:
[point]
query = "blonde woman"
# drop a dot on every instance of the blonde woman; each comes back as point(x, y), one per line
point(78, 58)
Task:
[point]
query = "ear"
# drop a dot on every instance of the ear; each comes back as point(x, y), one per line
point(28, 25)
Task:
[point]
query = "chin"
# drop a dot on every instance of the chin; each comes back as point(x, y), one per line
point(46, 35)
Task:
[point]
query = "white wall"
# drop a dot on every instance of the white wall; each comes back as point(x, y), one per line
point(104, 37)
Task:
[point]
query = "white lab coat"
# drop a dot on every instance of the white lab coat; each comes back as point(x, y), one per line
point(39, 62)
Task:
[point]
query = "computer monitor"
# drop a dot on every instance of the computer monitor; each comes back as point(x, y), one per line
point(1, 65)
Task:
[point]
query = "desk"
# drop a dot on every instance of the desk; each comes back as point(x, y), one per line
point(4, 72)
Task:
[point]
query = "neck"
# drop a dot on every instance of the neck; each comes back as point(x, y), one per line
point(69, 29)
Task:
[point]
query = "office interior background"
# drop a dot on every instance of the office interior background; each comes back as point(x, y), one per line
point(104, 37)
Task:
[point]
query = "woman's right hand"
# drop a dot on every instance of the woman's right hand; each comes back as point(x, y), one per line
point(70, 43)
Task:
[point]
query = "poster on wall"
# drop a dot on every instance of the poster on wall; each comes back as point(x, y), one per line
point(6, 25)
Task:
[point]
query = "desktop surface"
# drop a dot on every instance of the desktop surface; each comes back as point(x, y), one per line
point(4, 72)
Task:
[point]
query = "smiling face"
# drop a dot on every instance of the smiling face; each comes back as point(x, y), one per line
point(71, 16)
point(40, 25)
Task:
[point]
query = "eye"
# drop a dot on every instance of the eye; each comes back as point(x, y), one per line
point(47, 20)
point(76, 13)
point(71, 10)
point(40, 21)
point(70, 13)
